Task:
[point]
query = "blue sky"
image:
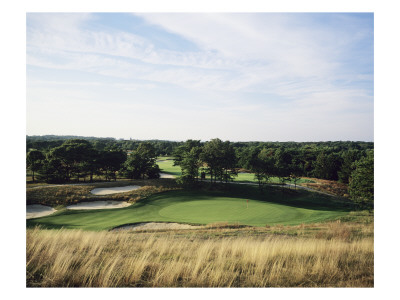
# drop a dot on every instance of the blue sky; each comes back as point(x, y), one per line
point(239, 76)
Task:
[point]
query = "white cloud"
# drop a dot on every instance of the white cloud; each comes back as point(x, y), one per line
point(296, 70)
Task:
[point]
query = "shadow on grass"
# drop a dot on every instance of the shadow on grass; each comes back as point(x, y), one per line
point(295, 198)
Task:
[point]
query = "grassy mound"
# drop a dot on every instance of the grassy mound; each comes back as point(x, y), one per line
point(204, 207)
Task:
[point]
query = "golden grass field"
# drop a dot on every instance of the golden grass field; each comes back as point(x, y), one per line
point(316, 255)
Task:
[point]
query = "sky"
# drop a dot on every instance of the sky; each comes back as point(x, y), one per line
point(235, 76)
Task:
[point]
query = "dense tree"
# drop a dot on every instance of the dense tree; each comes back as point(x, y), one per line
point(228, 162)
point(211, 156)
point(74, 155)
point(90, 165)
point(261, 163)
point(348, 158)
point(325, 160)
point(182, 150)
point(187, 157)
point(190, 166)
point(307, 155)
point(111, 161)
point(52, 170)
point(361, 186)
point(321, 166)
point(34, 161)
point(220, 160)
point(295, 170)
point(283, 160)
point(327, 166)
point(142, 162)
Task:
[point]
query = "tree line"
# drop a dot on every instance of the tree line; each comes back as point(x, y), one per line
point(222, 161)
point(309, 150)
point(60, 160)
point(45, 143)
point(79, 159)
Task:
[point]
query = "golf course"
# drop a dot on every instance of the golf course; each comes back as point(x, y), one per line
point(198, 150)
point(132, 227)
point(203, 207)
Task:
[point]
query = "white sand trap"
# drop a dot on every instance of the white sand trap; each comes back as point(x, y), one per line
point(99, 205)
point(164, 175)
point(157, 226)
point(114, 190)
point(38, 210)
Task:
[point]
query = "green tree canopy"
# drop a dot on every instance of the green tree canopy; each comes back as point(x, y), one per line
point(73, 155)
point(187, 157)
point(34, 161)
point(111, 161)
point(361, 186)
point(220, 158)
point(262, 164)
point(142, 162)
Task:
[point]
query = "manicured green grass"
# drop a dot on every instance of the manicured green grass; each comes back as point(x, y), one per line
point(249, 177)
point(166, 165)
point(204, 207)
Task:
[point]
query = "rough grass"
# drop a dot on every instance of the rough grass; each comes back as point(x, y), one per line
point(328, 186)
point(332, 256)
point(63, 195)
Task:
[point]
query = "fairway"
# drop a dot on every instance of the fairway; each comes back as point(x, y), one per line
point(195, 207)
point(166, 165)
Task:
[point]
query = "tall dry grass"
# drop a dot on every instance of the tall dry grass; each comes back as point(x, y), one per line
point(72, 258)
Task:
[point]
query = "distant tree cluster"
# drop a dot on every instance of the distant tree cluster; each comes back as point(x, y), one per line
point(325, 160)
point(79, 159)
point(305, 161)
point(142, 162)
point(216, 158)
point(44, 143)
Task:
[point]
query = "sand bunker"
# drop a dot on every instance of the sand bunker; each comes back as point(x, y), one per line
point(99, 205)
point(164, 175)
point(38, 210)
point(157, 226)
point(114, 190)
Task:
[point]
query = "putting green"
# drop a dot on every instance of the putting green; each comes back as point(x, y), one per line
point(224, 209)
point(219, 210)
point(198, 207)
